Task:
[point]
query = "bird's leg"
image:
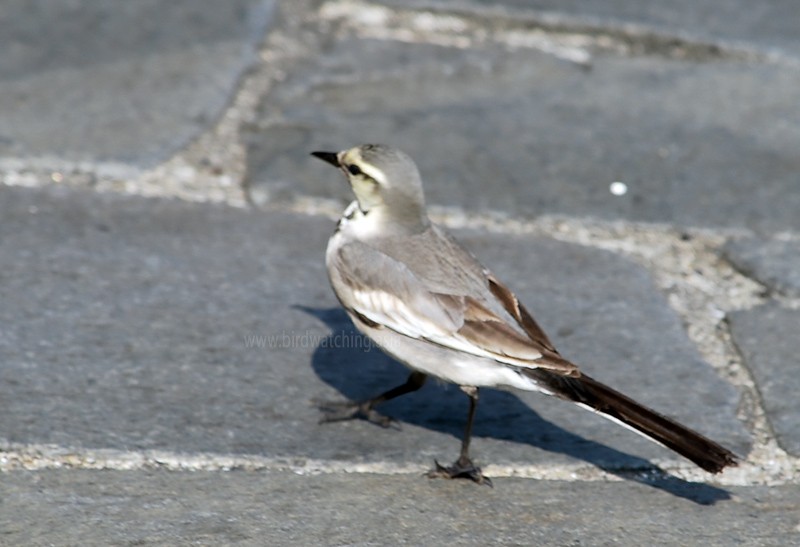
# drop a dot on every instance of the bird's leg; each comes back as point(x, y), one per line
point(463, 468)
point(348, 410)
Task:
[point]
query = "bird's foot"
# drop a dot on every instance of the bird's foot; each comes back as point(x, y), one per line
point(339, 411)
point(463, 468)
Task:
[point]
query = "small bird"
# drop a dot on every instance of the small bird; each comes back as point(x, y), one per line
point(407, 284)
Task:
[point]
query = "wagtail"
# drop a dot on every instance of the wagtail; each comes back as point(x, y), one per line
point(425, 300)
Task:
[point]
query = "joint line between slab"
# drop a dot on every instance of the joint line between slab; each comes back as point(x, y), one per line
point(14, 457)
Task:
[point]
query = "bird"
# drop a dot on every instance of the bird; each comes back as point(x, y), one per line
point(424, 299)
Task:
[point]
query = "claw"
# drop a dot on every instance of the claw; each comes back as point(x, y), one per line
point(463, 468)
point(377, 418)
point(340, 411)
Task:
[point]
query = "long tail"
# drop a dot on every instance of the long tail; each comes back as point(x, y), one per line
point(590, 393)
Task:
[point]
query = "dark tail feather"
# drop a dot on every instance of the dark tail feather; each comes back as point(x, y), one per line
point(584, 390)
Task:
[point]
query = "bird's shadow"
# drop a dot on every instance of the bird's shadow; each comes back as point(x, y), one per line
point(349, 362)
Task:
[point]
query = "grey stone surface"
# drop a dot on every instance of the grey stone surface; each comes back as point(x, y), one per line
point(131, 82)
point(140, 336)
point(773, 262)
point(697, 143)
point(126, 322)
point(126, 325)
point(772, 25)
point(768, 338)
point(240, 508)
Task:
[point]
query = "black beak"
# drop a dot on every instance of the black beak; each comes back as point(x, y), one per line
point(330, 157)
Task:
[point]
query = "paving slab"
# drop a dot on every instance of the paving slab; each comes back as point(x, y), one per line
point(155, 335)
point(523, 132)
point(767, 338)
point(92, 80)
point(137, 324)
point(77, 507)
point(771, 26)
point(774, 261)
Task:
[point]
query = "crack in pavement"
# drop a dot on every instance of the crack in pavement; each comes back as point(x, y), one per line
point(38, 457)
point(565, 37)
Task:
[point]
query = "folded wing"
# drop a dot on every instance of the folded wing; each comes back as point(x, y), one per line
point(387, 293)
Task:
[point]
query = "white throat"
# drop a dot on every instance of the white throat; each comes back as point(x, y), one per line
point(361, 225)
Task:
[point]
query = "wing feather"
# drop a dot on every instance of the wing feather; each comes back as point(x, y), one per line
point(386, 292)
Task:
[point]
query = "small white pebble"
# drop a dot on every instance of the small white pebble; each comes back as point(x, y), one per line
point(618, 188)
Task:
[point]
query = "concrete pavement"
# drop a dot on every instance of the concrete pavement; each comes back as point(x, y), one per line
point(167, 326)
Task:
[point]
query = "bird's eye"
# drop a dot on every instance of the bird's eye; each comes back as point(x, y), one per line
point(355, 170)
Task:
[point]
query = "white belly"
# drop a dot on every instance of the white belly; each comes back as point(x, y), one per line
point(449, 365)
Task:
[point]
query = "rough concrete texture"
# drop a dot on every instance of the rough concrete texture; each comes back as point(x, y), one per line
point(281, 508)
point(93, 80)
point(767, 336)
point(161, 359)
point(769, 28)
point(775, 262)
point(525, 132)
